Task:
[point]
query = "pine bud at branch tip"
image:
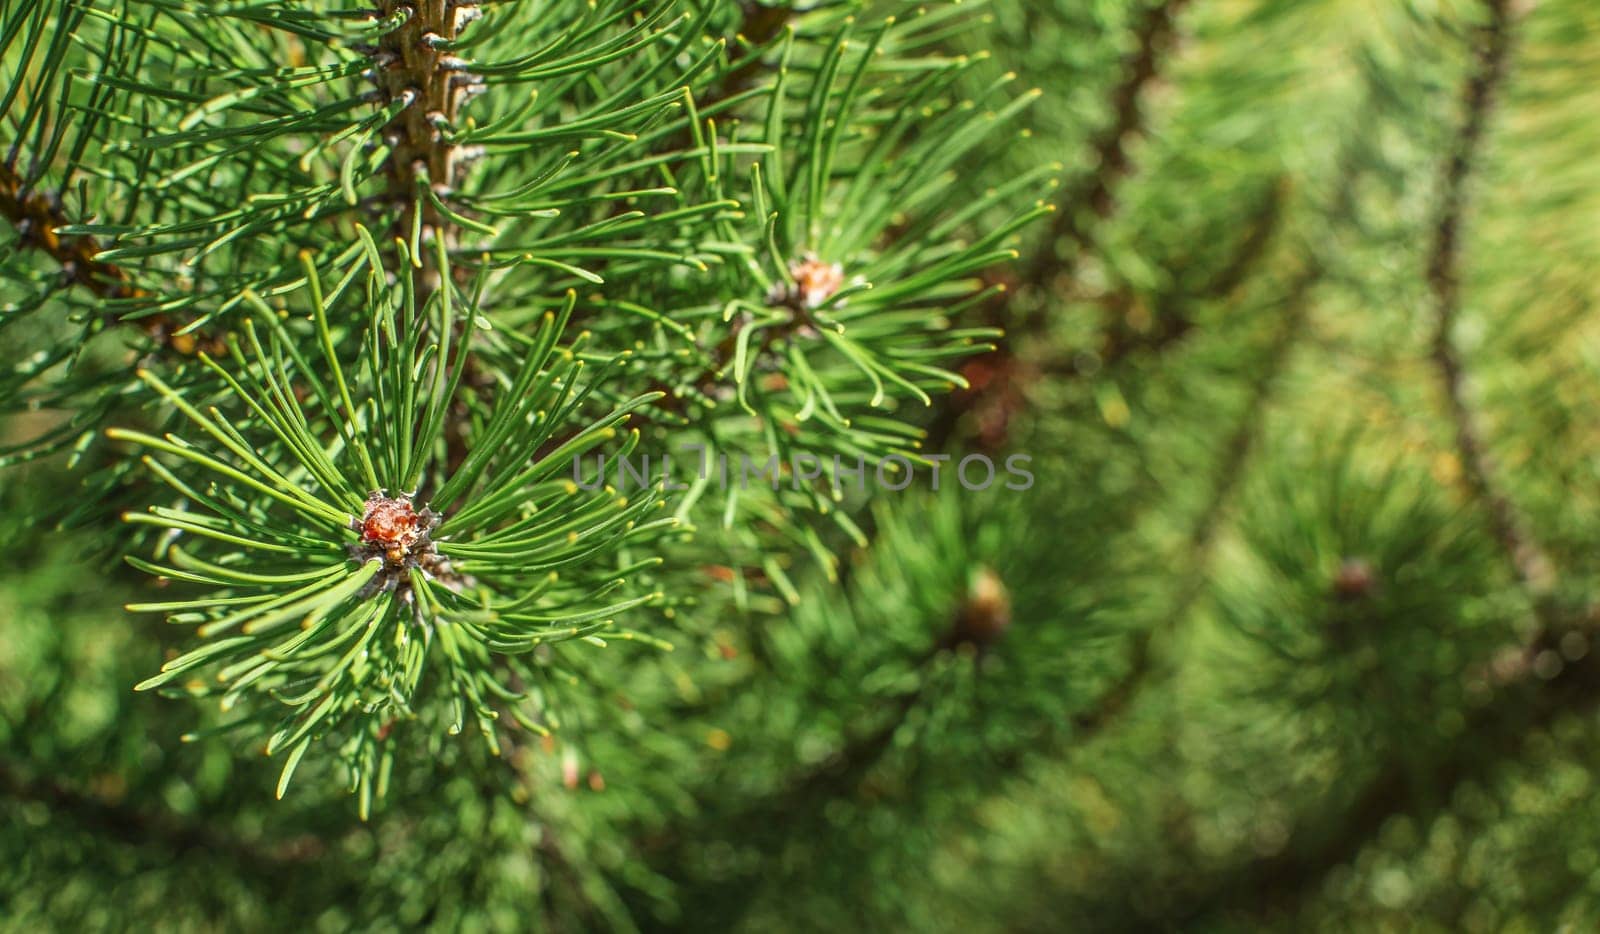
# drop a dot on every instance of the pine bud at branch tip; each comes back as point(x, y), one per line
point(985, 615)
point(1356, 579)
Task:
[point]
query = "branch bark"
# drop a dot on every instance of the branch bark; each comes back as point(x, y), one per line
point(1479, 472)
point(1093, 194)
point(36, 215)
point(414, 64)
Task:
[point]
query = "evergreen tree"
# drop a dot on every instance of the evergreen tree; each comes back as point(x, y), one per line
point(719, 464)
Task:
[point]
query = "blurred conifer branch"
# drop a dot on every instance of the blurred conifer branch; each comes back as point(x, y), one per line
point(140, 824)
point(1492, 49)
point(1092, 197)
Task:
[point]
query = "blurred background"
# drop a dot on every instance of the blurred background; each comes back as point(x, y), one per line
point(1294, 631)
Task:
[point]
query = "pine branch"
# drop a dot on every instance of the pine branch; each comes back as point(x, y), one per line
point(1495, 735)
point(799, 805)
point(1000, 380)
point(1095, 193)
point(36, 215)
point(761, 25)
point(1241, 442)
point(1174, 319)
point(1237, 450)
point(1142, 664)
point(142, 826)
point(1538, 681)
point(1511, 527)
point(977, 624)
point(415, 66)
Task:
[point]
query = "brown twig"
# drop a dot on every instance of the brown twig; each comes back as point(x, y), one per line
point(1528, 560)
point(1094, 195)
point(761, 25)
point(36, 215)
point(413, 65)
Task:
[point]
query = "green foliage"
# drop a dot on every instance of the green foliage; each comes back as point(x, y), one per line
point(516, 568)
point(364, 512)
point(350, 311)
